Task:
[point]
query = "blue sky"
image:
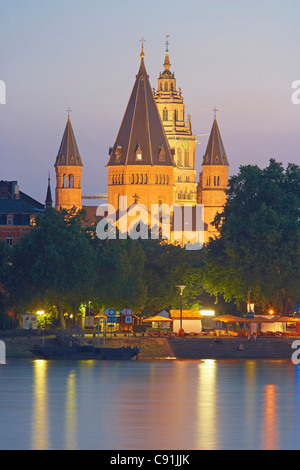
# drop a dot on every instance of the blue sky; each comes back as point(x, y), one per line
point(240, 56)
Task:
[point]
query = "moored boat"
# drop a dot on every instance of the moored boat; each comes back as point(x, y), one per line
point(85, 352)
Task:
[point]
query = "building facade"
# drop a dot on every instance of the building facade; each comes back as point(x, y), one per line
point(141, 165)
point(17, 212)
point(213, 180)
point(68, 169)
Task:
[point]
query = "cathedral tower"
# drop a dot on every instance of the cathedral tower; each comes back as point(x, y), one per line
point(172, 112)
point(213, 182)
point(68, 168)
point(140, 165)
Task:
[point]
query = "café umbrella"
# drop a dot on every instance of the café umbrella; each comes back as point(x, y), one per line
point(287, 320)
point(230, 319)
point(158, 319)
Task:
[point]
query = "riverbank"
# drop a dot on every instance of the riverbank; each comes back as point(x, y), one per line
point(153, 348)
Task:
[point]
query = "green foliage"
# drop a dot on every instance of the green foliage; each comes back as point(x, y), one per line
point(61, 265)
point(258, 251)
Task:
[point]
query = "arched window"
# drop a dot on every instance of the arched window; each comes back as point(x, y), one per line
point(218, 180)
point(139, 154)
point(71, 181)
point(165, 114)
point(113, 179)
point(141, 179)
point(156, 179)
point(132, 178)
point(166, 86)
point(64, 181)
point(146, 179)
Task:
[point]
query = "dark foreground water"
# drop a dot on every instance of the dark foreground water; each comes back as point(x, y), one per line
point(170, 405)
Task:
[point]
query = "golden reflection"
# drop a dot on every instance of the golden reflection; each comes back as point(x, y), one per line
point(40, 407)
point(207, 405)
point(250, 402)
point(71, 422)
point(269, 432)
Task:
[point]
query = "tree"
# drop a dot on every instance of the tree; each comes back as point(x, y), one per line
point(258, 250)
point(53, 264)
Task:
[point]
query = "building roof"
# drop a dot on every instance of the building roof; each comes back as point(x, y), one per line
point(141, 139)
point(186, 314)
point(17, 206)
point(68, 154)
point(215, 152)
point(13, 201)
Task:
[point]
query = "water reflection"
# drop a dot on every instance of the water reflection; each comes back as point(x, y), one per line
point(71, 412)
point(269, 433)
point(204, 404)
point(40, 437)
point(206, 411)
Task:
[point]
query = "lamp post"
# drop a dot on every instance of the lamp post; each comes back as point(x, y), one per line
point(181, 287)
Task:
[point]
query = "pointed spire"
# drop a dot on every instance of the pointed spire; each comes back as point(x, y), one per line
point(48, 202)
point(215, 152)
point(167, 63)
point(68, 154)
point(141, 128)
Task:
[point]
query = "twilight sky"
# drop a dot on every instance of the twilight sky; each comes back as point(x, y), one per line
point(240, 56)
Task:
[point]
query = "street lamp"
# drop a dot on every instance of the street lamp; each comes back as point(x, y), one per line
point(181, 287)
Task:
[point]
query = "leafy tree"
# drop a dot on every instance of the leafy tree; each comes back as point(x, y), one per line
point(53, 264)
point(259, 246)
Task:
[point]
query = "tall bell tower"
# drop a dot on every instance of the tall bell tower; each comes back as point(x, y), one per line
point(141, 165)
point(68, 168)
point(171, 108)
point(213, 180)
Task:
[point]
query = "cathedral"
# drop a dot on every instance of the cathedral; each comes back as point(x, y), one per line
point(153, 158)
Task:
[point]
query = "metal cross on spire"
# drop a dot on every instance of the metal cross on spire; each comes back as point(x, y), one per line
point(142, 41)
point(68, 111)
point(215, 111)
point(167, 42)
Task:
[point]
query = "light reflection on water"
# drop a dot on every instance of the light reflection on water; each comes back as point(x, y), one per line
point(167, 405)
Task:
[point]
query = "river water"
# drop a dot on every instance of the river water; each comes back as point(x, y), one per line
point(162, 405)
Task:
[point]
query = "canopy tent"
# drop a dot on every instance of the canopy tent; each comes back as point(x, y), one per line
point(260, 319)
point(287, 320)
point(163, 313)
point(230, 319)
point(158, 319)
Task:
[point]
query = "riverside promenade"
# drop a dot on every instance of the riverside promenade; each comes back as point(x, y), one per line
point(227, 348)
point(180, 348)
